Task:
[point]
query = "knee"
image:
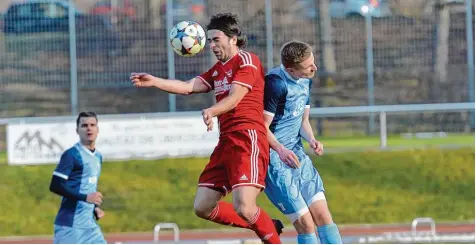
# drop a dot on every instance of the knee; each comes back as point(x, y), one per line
point(246, 210)
point(203, 209)
point(305, 224)
point(322, 217)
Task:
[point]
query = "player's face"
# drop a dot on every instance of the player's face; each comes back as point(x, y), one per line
point(87, 129)
point(305, 69)
point(222, 45)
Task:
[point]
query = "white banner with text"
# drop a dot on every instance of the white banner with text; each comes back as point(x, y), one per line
point(121, 139)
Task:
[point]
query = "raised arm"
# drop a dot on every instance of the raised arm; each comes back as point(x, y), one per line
point(194, 85)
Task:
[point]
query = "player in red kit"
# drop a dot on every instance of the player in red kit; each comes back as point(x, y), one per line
point(240, 160)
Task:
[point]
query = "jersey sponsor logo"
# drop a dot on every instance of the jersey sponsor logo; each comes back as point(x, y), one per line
point(93, 180)
point(222, 86)
point(299, 108)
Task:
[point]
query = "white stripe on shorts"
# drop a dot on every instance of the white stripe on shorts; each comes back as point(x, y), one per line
point(254, 156)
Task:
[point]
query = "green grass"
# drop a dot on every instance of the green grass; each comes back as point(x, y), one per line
point(358, 143)
point(395, 141)
point(3, 158)
point(366, 187)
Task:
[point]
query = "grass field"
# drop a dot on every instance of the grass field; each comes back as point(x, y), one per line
point(361, 143)
point(395, 141)
point(362, 187)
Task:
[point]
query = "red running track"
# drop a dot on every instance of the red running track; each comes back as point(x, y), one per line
point(233, 234)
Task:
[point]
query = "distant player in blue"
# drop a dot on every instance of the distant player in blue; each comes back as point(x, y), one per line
point(293, 184)
point(75, 179)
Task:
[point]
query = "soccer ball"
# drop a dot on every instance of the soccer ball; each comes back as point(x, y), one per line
point(187, 38)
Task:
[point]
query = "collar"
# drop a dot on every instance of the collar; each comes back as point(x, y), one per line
point(86, 149)
point(223, 63)
point(287, 74)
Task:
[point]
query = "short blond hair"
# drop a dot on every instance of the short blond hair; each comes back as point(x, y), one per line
point(295, 52)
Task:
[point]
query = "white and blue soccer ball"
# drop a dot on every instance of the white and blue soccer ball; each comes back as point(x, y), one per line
point(187, 38)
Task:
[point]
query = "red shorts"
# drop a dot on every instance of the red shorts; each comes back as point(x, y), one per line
point(241, 158)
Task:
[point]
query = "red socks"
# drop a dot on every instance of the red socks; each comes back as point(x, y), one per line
point(261, 223)
point(225, 214)
point(263, 226)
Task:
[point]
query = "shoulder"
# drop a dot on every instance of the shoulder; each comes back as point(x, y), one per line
point(73, 152)
point(275, 77)
point(99, 155)
point(214, 67)
point(248, 59)
point(275, 82)
point(70, 155)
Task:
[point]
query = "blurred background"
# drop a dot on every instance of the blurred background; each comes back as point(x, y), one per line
point(395, 87)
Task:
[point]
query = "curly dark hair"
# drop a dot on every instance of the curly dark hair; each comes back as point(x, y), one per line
point(229, 24)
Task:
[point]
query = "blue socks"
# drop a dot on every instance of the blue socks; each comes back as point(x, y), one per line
point(307, 238)
point(329, 234)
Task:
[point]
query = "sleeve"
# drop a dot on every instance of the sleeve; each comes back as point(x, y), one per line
point(308, 103)
point(274, 92)
point(206, 78)
point(248, 72)
point(59, 186)
point(60, 176)
point(65, 166)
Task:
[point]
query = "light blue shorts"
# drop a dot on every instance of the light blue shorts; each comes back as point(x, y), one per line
point(292, 191)
point(70, 235)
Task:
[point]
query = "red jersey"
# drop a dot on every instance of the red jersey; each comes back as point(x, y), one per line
point(246, 70)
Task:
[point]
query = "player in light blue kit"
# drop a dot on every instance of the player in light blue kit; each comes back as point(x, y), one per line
point(75, 179)
point(293, 184)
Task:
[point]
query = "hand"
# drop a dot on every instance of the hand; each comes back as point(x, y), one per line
point(99, 213)
point(317, 146)
point(95, 198)
point(208, 119)
point(288, 157)
point(142, 80)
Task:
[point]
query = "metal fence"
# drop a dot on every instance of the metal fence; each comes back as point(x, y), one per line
point(405, 51)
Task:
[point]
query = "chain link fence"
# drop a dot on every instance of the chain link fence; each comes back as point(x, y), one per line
point(419, 51)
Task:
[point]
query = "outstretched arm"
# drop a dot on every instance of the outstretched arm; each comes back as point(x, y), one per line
point(194, 85)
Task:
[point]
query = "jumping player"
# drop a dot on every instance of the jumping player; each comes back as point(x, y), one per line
point(293, 184)
point(239, 162)
point(75, 179)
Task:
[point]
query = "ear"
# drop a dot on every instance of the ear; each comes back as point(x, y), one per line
point(77, 130)
point(290, 70)
point(234, 40)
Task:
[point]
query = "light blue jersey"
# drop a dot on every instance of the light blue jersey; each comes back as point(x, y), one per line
point(285, 98)
point(290, 190)
point(75, 221)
